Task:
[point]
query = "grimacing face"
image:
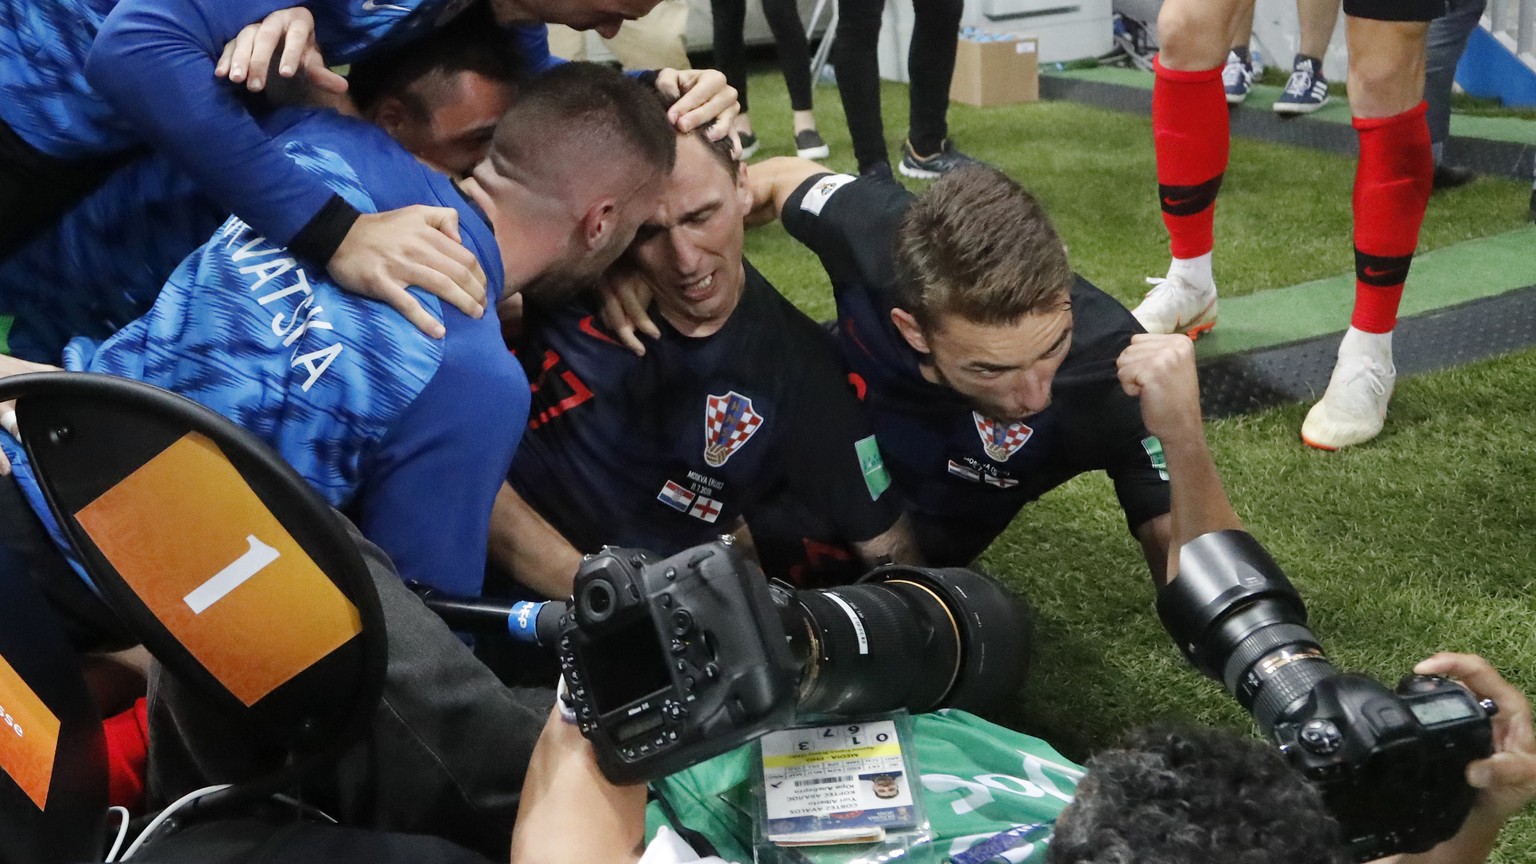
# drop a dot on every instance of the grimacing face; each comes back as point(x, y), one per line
point(689, 248)
point(1005, 370)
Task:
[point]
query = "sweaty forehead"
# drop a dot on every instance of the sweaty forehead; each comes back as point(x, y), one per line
point(1020, 343)
point(698, 180)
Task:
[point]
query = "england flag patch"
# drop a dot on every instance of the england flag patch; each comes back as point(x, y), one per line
point(705, 508)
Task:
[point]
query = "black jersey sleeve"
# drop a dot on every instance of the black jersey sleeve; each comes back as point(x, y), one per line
point(849, 222)
point(1141, 478)
point(832, 464)
point(1108, 431)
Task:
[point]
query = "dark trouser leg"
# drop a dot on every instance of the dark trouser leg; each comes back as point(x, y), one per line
point(931, 65)
point(794, 54)
point(1447, 38)
point(858, 77)
point(730, 48)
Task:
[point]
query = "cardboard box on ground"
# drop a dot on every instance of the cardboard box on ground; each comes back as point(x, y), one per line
point(995, 67)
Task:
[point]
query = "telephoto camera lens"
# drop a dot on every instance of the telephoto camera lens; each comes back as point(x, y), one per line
point(906, 637)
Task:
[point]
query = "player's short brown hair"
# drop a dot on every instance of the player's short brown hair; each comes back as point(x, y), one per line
point(977, 245)
point(584, 114)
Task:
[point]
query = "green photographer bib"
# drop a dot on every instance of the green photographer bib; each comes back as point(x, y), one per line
point(978, 779)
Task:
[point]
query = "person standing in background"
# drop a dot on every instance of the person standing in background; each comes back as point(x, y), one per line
point(927, 153)
point(1307, 89)
point(794, 59)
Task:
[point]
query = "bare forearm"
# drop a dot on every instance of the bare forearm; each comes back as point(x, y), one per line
point(529, 548)
point(569, 813)
point(773, 180)
point(1200, 504)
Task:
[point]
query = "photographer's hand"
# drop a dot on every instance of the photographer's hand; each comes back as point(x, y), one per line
point(1506, 781)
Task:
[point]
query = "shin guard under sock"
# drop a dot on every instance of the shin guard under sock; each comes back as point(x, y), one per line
point(1191, 136)
point(1392, 186)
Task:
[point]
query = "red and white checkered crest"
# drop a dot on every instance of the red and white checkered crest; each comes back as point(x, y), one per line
point(1000, 441)
point(728, 422)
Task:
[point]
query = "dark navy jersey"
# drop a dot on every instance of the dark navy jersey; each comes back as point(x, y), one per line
point(963, 475)
point(148, 78)
point(667, 450)
point(411, 436)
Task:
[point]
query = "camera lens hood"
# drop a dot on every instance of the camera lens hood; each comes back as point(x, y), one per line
point(993, 627)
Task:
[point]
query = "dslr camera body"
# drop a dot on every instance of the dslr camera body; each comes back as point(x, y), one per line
point(662, 665)
point(670, 661)
point(1391, 764)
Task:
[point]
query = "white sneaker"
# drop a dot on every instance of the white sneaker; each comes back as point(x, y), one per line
point(1354, 407)
point(1177, 304)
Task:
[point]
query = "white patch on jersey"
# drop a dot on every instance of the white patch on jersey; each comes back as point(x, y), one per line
point(816, 196)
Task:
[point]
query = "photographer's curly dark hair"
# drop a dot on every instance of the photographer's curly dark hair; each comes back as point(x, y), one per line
point(1192, 796)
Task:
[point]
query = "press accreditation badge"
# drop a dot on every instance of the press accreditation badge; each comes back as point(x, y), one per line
point(844, 783)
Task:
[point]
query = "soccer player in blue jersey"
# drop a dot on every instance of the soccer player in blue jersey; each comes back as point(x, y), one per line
point(386, 423)
point(671, 449)
point(88, 81)
point(103, 263)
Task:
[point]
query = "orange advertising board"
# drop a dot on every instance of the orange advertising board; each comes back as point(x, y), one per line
point(218, 570)
point(29, 736)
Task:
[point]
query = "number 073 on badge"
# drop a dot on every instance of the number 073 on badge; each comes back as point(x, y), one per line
point(853, 781)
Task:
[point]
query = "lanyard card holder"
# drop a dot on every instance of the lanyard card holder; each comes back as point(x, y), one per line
point(841, 792)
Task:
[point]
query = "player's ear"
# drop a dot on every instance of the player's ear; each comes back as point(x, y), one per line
point(910, 330)
point(743, 188)
point(391, 115)
point(599, 221)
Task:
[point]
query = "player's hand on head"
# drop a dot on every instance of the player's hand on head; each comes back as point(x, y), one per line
point(1160, 370)
point(1506, 781)
point(385, 253)
point(626, 295)
point(702, 95)
point(14, 366)
point(287, 37)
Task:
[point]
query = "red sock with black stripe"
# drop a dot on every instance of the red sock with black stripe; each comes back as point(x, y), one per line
point(1191, 137)
point(1392, 186)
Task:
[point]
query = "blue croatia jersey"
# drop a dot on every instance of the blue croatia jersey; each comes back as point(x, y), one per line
point(668, 450)
point(389, 425)
point(149, 79)
point(964, 475)
point(103, 263)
